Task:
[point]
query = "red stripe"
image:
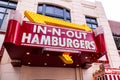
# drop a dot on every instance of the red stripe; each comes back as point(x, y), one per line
point(118, 77)
point(110, 77)
point(98, 78)
point(103, 77)
point(106, 78)
point(114, 77)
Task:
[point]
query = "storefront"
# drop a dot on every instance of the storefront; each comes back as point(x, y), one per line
point(40, 47)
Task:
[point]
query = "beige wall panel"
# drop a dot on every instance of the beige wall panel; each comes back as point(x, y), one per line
point(37, 73)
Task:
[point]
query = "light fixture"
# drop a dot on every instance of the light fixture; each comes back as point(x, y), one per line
point(45, 64)
point(77, 65)
point(64, 64)
point(86, 57)
point(47, 54)
point(27, 53)
point(29, 63)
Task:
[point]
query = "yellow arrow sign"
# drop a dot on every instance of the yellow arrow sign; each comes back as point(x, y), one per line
point(38, 18)
point(66, 58)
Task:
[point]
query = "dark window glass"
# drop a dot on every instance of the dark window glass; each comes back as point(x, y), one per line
point(39, 9)
point(91, 22)
point(94, 26)
point(117, 40)
point(49, 10)
point(67, 14)
point(89, 25)
point(12, 5)
point(3, 3)
point(5, 7)
point(2, 9)
point(1, 18)
point(87, 19)
point(58, 11)
point(54, 11)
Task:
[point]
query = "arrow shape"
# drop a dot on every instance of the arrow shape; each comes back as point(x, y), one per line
point(66, 58)
point(38, 18)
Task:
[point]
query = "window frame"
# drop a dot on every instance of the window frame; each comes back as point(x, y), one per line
point(90, 23)
point(63, 17)
point(6, 6)
point(117, 40)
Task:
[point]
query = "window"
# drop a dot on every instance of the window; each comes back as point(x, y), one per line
point(91, 22)
point(117, 40)
point(54, 11)
point(1, 45)
point(5, 7)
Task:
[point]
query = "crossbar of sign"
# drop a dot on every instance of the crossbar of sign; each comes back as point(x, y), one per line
point(109, 77)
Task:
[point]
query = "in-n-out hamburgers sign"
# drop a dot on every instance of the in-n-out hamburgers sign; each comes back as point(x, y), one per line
point(68, 37)
point(42, 34)
point(57, 37)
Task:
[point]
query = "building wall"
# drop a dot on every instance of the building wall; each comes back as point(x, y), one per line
point(78, 9)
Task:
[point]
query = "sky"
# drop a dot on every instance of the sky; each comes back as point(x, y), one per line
point(112, 9)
